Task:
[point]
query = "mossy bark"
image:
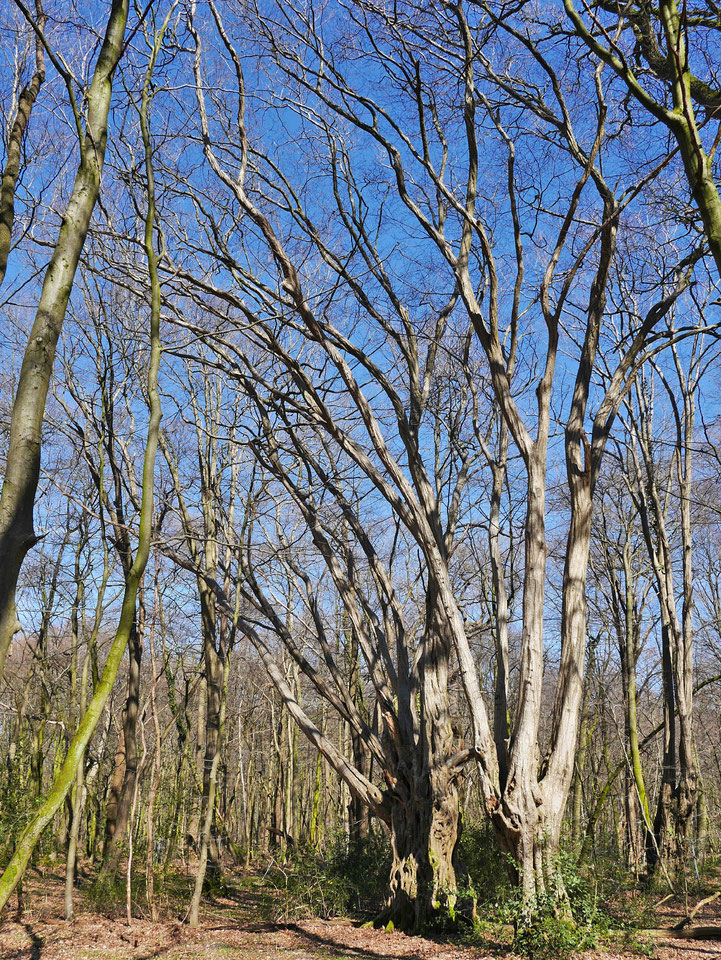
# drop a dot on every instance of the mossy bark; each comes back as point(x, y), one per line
point(425, 870)
point(66, 776)
point(125, 775)
point(425, 821)
point(17, 534)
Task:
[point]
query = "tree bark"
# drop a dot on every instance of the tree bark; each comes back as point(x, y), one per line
point(17, 534)
point(217, 690)
point(117, 813)
point(10, 173)
point(425, 830)
point(66, 776)
point(425, 822)
point(681, 119)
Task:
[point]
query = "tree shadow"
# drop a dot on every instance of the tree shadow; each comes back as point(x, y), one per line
point(341, 948)
point(36, 946)
point(160, 952)
point(691, 947)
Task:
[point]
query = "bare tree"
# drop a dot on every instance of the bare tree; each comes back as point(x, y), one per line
point(664, 38)
point(23, 460)
point(66, 776)
point(528, 801)
point(656, 482)
point(17, 127)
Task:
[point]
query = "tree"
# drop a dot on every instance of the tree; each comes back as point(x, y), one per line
point(218, 629)
point(666, 846)
point(425, 170)
point(23, 459)
point(663, 38)
point(15, 139)
point(66, 777)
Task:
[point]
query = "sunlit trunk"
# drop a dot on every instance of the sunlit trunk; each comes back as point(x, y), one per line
point(17, 534)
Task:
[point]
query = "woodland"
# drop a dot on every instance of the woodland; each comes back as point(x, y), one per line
point(360, 433)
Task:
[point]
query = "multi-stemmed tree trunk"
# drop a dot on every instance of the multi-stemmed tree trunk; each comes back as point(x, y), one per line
point(182, 727)
point(425, 819)
point(420, 758)
point(618, 574)
point(22, 470)
point(527, 801)
point(667, 847)
point(217, 628)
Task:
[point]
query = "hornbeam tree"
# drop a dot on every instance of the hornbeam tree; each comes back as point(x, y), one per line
point(22, 466)
point(339, 272)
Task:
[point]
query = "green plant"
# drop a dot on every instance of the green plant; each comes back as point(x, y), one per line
point(346, 880)
point(566, 919)
point(551, 937)
point(107, 894)
point(639, 944)
point(488, 874)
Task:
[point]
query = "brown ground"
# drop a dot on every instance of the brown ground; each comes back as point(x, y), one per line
point(230, 930)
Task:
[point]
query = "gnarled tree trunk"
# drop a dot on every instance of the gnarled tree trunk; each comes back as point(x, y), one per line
point(425, 823)
point(425, 830)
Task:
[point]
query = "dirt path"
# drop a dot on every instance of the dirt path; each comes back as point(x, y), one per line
point(100, 939)
point(97, 938)
point(231, 930)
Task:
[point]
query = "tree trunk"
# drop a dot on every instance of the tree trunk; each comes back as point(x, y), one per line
point(425, 823)
point(66, 776)
point(214, 675)
point(117, 816)
point(17, 534)
point(679, 781)
point(660, 853)
point(194, 824)
point(425, 830)
point(77, 815)
point(217, 690)
point(359, 818)
point(182, 726)
point(635, 824)
point(16, 135)
point(155, 777)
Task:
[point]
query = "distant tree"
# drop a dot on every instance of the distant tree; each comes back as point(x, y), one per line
point(17, 126)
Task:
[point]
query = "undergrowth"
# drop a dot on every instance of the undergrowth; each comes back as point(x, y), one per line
point(345, 880)
point(553, 933)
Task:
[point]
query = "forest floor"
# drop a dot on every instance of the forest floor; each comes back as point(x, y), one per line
point(234, 927)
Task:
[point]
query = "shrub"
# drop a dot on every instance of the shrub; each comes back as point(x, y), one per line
point(487, 868)
point(347, 880)
point(555, 932)
point(549, 937)
point(106, 895)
